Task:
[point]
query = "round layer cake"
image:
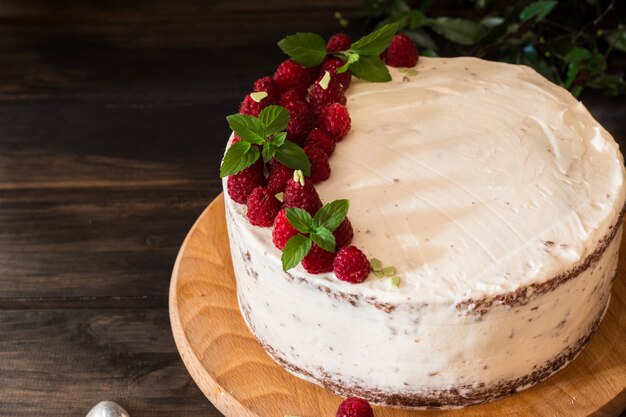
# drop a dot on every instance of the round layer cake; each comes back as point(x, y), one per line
point(498, 199)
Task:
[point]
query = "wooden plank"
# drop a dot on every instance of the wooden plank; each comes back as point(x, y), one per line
point(59, 363)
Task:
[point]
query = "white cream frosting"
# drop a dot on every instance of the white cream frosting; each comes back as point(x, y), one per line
point(473, 179)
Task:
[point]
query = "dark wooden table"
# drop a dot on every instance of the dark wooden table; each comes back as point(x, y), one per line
point(111, 130)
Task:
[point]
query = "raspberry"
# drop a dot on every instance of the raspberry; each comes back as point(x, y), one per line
point(299, 120)
point(262, 207)
point(320, 169)
point(235, 139)
point(282, 231)
point(343, 234)
point(320, 97)
point(291, 95)
point(291, 75)
point(401, 52)
point(338, 42)
point(355, 407)
point(278, 177)
point(351, 265)
point(331, 65)
point(303, 196)
point(321, 140)
point(241, 184)
point(318, 260)
point(268, 85)
point(335, 120)
point(251, 107)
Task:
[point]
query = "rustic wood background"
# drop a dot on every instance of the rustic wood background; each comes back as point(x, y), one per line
point(111, 129)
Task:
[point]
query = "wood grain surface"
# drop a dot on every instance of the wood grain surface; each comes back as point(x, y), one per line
point(222, 355)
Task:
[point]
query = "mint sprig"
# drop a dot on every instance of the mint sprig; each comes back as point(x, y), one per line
point(267, 132)
point(316, 229)
point(362, 58)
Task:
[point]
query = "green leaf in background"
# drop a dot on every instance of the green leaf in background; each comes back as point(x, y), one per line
point(461, 31)
point(332, 214)
point(375, 42)
point(307, 49)
point(532, 59)
point(325, 239)
point(617, 38)
point(417, 19)
point(577, 55)
point(238, 157)
point(371, 68)
point(295, 250)
point(300, 219)
point(274, 118)
point(247, 127)
point(421, 39)
point(538, 10)
point(294, 157)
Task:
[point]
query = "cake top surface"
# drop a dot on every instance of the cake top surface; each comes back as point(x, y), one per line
point(472, 178)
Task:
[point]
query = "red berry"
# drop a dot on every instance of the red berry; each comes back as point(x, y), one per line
point(292, 95)
point(300, 119)
point(241, 184)
point(320, 97)
point(262, 207)
point(335, 120)
point(235, 139)
point(282, 231)
point(343, 234)
point(401, 52)
point(320, 168)
point(331, 65)
point(291, 75)
point(338, 42)
point(351, 265)
point(268, 85)
point(318, 260)
point(355, 407)
point(251, 107)
point(303, 196)
point(321, 140)
point(279, 174)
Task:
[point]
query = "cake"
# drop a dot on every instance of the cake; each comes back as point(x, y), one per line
point(499, 201)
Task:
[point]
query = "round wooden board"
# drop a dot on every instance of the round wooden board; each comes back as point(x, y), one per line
point(238, 377)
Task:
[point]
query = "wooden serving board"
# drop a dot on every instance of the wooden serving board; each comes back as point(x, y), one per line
point(238, 377)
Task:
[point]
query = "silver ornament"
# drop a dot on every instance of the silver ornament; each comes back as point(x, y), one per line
point(107, 409)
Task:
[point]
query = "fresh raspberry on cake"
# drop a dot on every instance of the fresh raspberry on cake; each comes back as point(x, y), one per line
point(262, 207)
point(252, 107)
point(343, 234)
point(351, 265)
point(322, 95)
point(338, 42)
point(320, 168)
point(355, 407)
point(302, 196)
point(241, 184)
point(331, 65)
point(268, 85)
point(318, 260)
point(282, 231)
point(300, 119)
point(335, 120)
point(292, 95)
point(291, 75)
point(321, 140)
point(235, 139)
point(278, 176)
point(402, 52)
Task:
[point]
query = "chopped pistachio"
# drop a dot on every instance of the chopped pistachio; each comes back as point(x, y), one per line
point(258, 96)
point(389, 271)
point(280, 196)
point(379, 274)
point(411, 72)
point(376, 264)
point(325, 80)
point(395, 281)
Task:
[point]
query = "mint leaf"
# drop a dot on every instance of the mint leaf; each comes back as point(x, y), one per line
point(538, 9)
point(332, 214)
point(371, 68)
point(324, 238)
point(247, 127)
point(461, 31)
point(577, 55)
point(295, 250)
point(308, 49)
point(300, 219)
point(274, 118)
point(351, 58)
point(278, 139)
point(375, 42)
point(268, 151)
point(238, 157)
point(294, 157)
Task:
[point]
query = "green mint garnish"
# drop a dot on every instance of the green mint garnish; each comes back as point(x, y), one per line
point(395, 281)
point(325, 80)
point(258, 96)
point(316, 229)
point(362, 59)
point(267, 131)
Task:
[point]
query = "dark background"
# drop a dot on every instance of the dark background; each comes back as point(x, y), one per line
point(112, 123)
